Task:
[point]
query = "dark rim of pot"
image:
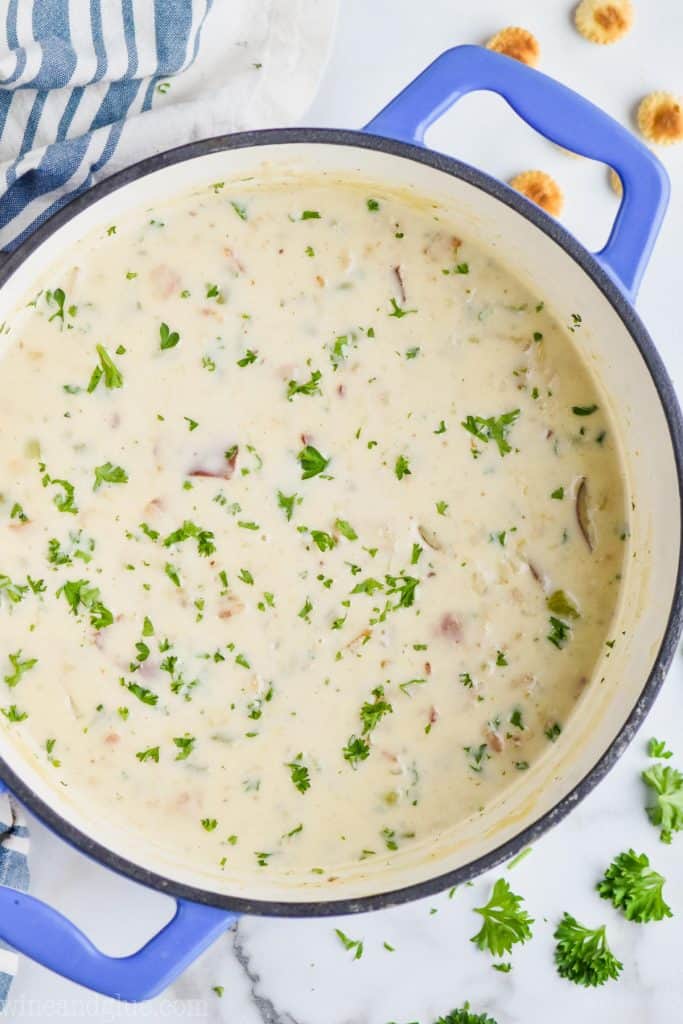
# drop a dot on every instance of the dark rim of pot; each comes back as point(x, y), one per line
point(667, 396)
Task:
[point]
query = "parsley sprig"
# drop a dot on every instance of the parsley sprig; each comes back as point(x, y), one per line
point(666, 809)
point(505, 922)
point(582, 954)
point(635, 888)
point(463, 1016)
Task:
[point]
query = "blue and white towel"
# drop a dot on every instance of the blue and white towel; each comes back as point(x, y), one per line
point(13, 872)
point(90, 86)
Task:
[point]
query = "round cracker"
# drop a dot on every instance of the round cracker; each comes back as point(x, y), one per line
point(541, 189)
point(604, 21)
point(660, 118)
point(615, 182)
point(518, 43)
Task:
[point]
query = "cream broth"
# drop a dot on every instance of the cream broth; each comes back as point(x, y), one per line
point(311, 528)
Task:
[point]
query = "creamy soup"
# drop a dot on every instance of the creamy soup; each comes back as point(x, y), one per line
point(311, 528)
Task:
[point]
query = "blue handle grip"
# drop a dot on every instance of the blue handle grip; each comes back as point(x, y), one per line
point(562, 116)
point(32, 927)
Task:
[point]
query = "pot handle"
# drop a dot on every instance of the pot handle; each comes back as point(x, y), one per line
point(562, 116)
point(40, 932)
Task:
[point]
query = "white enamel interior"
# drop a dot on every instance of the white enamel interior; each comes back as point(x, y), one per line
point(648, 452)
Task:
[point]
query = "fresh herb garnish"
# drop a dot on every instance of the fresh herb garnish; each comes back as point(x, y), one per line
point(287, 503)
point(299, 774)
point(635, 888)
point(666, 809)
point(204, 538)
point(107, 369)
point(108, 473)
point(658, 748)
point(350, 944)
point(582, 954)
point(559, 632)
point(311, 461)
point(168, 338)
point(505, 922)
point(151, 754)
point(401, 467)
point(309, 387)
point(185, 745)
point(561, 603)
point(398, 311)
point(356, 750)
point(81, 592)
point(492, 428)
point(19, 666)
point(142, 693)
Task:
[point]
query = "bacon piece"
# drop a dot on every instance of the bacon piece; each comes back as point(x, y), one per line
point(165, 282)
point(223, 470)
point(495, 740)
point(234, 262)
point(450, 627)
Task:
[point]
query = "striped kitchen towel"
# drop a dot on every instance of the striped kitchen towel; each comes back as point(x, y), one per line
point(90, 86)
point(13, 872)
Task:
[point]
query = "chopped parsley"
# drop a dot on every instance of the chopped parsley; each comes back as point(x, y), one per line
point(107, 369)
point(311, 461)
point(151, 754)
point(345, 528)
point(299, 774)
point(356, 750)
point(401, 467)
point(287, 503)
point(108, 473)
point(350, 944)
point(82, 593)
point(584, 410)
point(658, 748)
point(204, 538)
point(142, 693)
point(492, 428)
point(185, 745)
point(398, 311)
point(559, 632)
point(167, 337)
point(19, 667)
point(561, 603)
point(309, 387)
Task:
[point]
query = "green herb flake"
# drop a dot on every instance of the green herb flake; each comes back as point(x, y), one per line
point(312, 462)
point(108, 473)
point(167, 337)
point(492, 428)
point(19, 667)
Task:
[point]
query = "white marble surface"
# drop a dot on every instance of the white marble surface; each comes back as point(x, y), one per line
point(296, 972)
